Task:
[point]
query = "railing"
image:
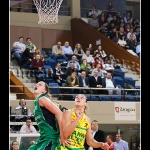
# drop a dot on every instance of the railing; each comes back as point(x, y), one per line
point(61, 91)
point(31, 8)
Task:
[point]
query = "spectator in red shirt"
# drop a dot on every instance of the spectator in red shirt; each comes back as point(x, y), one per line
point(109, 141)
point(37, 65)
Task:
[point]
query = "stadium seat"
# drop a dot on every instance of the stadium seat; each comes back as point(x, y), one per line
point(61, 60)
point(42, 52)
point(116, 98)
point(122, 73)
point(130, 81)
point(48, 81)
point(54, 90)
point(119, 81)
point(129, 98)
point(105, 98)
point(50, 53)
point(93, 98)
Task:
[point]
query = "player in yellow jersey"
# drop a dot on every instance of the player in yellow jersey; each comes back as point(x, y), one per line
point(76, 127)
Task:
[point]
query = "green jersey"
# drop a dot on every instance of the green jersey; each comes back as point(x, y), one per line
point(48, 128)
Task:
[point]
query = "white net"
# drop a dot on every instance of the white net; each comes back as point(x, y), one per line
point(47, 11)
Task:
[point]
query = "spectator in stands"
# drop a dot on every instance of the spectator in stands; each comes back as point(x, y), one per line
point(98, 135)
point(110, 6)
point(90, 47)
point(109, 141)
point(120, 144)
point(22, 104)
point(131, 33)
point(95, 81)
point(109, 82)
point(27, 57)
point(31, 143)
point(127, 18)
point(37, 51)
point(100, 72)
point(109, 18)
point(110, 27)
point(104, 29)
point(131, 43)
point(134, 25)
point(67, 50)
point(59, 75)
point(101, 21)
point(28, 127)
point(85, 67)
point(57, 52)
point(84, 82)
point(88, 57)
point(121, 32)
point(15, 145)
point(108, 66)
point(111, 57)
point(17, 50)
point(94, 22)
point(122, 42)
point(102, 14)
point(127, 28)
point(37, 66)
point(93, 11)
point(75, 62)
point(121, 24)
point(118, 16)
point(72, 81)
point(114, 35)
point(137, 33)
point(98, 60)
point(30, 45)
point(138, 50)
point(70, 69)
point(115, 21)
point(101, 52)
point(78, 51)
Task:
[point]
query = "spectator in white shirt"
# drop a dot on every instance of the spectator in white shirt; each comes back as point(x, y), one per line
point(57, 52)
point(108, 82)
point(88, 57)
point(28, 127)
point(108, 66)
point(22, 105)
point(67, 50)
point(131, 33)
point(122, 42)
point(93, 11)
point(17, 50)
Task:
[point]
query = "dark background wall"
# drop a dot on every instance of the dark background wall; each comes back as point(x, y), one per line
point(119, 5)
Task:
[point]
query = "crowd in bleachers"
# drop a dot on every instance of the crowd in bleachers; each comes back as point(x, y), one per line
point(75, 67)
point(70, 67)
point(123, 30)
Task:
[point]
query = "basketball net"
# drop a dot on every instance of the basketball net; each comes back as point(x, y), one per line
point(47, 11)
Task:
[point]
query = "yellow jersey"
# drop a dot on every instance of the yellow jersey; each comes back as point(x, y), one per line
point(78, 135)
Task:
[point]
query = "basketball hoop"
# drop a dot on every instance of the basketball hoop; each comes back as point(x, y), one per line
point(47, 11)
